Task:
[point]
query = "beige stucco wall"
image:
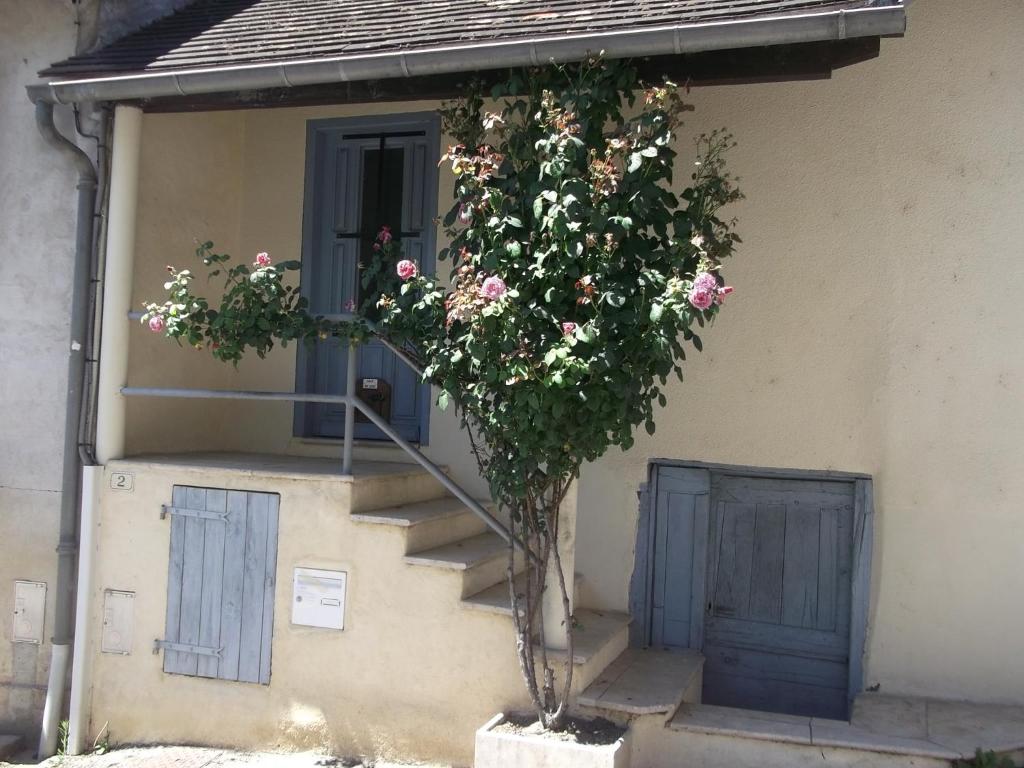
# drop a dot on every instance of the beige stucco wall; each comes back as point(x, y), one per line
point(37, 220)
point(874, 329)
point(199, 156)
point(412, 674)
point(35, 288)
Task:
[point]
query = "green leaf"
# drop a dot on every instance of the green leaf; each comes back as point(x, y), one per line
point(442, 400)
point(656, 310)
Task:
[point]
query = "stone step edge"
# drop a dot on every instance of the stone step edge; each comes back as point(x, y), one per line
point(491, 546)
point(494, 599)
point(858, 739)
point(446, 507)
point(594, 702)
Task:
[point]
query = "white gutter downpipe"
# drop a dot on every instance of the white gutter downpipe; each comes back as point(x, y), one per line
point(75, 452)
point(78, 719)
point(836, 24)
point(117, 283)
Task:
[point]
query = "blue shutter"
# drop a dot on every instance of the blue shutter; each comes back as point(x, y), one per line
point(220, 585)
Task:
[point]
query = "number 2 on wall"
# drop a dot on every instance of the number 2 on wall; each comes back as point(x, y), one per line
point(122, 481)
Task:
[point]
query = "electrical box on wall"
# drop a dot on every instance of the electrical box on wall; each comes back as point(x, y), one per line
point(29, 609)
point(118, 621)
point(318, 598)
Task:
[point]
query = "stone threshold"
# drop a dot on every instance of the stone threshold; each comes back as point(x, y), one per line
point(644, 682)
point(930, 728)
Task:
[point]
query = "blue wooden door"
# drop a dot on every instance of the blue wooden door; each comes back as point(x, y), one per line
point(777, 604)
point(361, 176)
point(680, 534)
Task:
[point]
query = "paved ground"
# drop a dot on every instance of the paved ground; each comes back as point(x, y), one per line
point(200, 757)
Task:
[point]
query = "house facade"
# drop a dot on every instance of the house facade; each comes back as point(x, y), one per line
point(827, 514)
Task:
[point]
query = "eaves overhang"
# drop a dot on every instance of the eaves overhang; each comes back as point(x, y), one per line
point(826, 25)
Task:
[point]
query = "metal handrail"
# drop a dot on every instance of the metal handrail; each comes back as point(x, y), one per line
point(351, 403)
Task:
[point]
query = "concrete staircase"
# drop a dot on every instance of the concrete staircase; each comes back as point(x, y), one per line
point(442, 536)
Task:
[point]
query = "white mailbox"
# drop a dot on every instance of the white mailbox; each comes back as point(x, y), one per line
point(29, 609)
point(318, 598)
point(118, 621)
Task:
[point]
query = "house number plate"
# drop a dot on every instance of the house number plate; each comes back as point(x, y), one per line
point(122, 481)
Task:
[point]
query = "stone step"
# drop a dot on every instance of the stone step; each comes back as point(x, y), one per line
point(10, 745)
point(481, 559)
point(598, 639)
point(495, 599)
point(429, 524)
point(646, 682)
point(380, 485)
point(725, 737)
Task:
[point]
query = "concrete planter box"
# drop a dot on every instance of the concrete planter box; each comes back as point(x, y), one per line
point(505, 750)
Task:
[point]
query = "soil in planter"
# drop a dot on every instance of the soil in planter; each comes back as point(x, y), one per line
point(598, 732)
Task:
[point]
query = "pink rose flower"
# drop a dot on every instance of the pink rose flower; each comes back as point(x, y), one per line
point(350, 305)
point(568, 328)
point(705, 281)
point(156, 324)
point(701, 298)
point(465, 212)
point(406, 269)
point(385, 234)
point(724, 291)
point(493, 288)
point(263, 259)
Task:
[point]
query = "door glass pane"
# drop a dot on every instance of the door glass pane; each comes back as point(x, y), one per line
point(381, 191)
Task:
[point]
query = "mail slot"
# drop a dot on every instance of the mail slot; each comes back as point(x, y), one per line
point(376, 393)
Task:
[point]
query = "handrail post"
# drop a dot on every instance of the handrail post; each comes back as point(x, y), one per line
point(350, 411)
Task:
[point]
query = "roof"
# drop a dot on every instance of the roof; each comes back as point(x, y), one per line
point(216, 33)
point(223, 47)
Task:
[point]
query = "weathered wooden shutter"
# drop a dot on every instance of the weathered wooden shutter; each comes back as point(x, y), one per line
point(680, 540)
point(220, 585)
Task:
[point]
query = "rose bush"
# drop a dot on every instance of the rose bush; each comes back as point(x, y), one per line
point(257, 309)
point(577, 277)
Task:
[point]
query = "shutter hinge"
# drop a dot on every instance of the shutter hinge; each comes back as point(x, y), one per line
point(168, 509)
point(199, 650)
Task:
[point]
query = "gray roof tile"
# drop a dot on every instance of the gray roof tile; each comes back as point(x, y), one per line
point(211, 33)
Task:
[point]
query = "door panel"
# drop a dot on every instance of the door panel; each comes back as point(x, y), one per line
point(678, 571)
point(778, 617)
point(361, 180)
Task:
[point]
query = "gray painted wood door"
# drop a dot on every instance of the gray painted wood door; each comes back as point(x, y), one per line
point(220, 585)
point(363, 175)
point(680, 539)
point(777, 612)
